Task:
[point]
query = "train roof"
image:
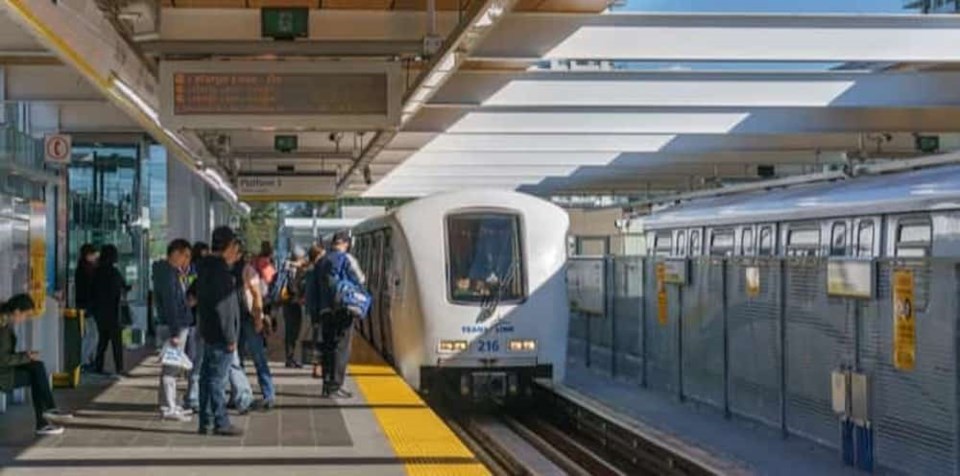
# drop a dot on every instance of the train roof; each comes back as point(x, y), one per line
point(904, 191)
point(470, 198)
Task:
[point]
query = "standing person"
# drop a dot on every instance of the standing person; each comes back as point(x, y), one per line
point(264, 264)
point(288, 290)
point(25, 369)
point(176, 318)
point(83, 299)
point(218, 315)
point(309, 298)
point(337, 266)
point(194, 348)
point(109, 291)
point(253, 330)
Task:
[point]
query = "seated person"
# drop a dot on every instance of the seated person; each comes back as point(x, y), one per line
point(24, 369)
point(462, 291)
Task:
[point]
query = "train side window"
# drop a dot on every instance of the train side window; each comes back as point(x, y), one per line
point(766, 241)
point(803, 242)
point(721, 243)
point(913, 239)
point(838, 239)
point(865, 239)
point(663, 244)
point(695, 248)
point(681, 243)
point(746, 242)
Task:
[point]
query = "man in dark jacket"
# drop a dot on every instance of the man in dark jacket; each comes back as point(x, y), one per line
point(218, 319)
point(336, 322)
point(170, 298)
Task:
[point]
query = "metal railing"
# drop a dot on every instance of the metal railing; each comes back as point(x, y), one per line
point(762, 339)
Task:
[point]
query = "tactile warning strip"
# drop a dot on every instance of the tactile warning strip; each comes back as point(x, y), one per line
point(418, 436)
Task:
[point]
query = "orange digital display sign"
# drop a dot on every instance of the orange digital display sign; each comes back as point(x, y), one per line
point(279, 93)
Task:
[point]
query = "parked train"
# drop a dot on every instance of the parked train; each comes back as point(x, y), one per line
point(907, 213)
point(469, 292)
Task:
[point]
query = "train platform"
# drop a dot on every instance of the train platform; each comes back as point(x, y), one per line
point(735, 444)
point(384, 429)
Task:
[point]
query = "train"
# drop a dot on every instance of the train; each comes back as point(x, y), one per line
point(469, 291)
point(881, 212)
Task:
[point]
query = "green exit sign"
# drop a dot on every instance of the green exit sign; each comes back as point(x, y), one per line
point(284, 23)
point(285, 143)
point(928, 144)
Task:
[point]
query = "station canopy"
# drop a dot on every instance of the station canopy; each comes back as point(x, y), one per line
point(400, 98)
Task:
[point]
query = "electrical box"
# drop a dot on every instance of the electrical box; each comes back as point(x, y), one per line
point(928, 144)
point(859, 398)
point(284, 23)
point(839, 384)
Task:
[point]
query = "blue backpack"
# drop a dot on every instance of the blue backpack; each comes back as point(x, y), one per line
point(347, 292)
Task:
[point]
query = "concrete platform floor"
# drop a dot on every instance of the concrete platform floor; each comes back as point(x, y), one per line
point(117, 430)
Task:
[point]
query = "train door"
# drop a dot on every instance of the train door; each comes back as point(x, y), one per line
point(366, 264)
point(866, 237)
point(386, 290)
point(373, 282)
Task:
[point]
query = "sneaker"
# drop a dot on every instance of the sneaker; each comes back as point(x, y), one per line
point(341, 394)
point(297, 365)
point(245, 410)
point(175, 416)
point(56, 414)
point(228, 431)
point(185, 411)
point(267, 405)
point(50, 429)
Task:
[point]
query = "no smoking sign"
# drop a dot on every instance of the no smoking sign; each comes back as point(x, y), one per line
point(57, 148)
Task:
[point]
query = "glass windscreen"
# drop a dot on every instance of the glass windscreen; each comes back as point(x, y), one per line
point(484, 257)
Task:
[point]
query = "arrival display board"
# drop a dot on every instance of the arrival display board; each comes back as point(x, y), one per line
point(225, 94)
point(290, 188)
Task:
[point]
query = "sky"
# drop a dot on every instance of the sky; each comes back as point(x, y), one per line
point(767, 6)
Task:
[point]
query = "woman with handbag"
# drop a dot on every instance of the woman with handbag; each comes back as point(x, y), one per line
point(108, 294)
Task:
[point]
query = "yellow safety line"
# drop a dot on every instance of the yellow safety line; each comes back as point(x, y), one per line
point(418, 436)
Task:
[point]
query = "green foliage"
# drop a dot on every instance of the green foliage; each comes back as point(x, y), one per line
point(260, 225)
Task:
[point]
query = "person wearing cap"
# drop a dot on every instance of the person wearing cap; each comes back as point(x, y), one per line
point(218, 316)
point(288, 293)
point(336, 324)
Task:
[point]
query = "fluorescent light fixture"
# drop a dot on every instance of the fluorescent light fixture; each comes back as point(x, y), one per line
point(448, 63)
point(421, 94)
point(138, 101)
point(498, 159)
point(411, 107)
point(406, 117)
point(245, 207)
point(435, 78)
point(489, 16)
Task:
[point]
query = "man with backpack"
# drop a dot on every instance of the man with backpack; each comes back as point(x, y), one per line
point(287, 292)
point(341, 299)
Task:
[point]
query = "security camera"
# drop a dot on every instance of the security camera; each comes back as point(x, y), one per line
point(335, 136)
point(367, 175)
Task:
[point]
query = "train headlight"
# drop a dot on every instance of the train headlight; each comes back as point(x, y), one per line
point(452, 346)
point(523, 345)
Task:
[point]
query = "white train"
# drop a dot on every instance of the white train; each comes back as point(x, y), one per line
point(470, 293)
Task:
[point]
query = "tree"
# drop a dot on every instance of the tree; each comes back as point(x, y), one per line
point(260, 225)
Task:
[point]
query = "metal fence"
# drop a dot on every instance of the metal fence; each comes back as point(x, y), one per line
point(762, 339)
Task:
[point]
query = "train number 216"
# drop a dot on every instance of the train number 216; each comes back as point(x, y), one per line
point(491, 345)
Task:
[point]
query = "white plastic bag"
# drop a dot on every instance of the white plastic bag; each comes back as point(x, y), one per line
point(171, 356)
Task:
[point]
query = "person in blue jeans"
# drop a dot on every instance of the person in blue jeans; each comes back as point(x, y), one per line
point(253, 330)
point(218, 319)
point(240, 393)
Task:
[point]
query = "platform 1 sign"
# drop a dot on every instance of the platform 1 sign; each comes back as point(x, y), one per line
point(290, 188)
point(345, 95)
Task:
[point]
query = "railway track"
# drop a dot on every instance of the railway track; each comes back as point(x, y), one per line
point(564, 435)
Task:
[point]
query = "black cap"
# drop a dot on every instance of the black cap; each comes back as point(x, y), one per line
point(342, 236)
point(223, 236)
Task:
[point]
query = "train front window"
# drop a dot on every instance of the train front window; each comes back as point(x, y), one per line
point(484, 259)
